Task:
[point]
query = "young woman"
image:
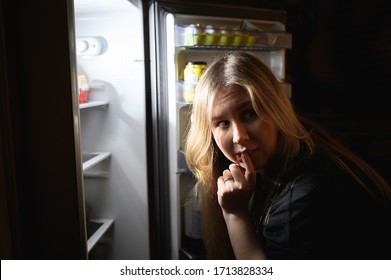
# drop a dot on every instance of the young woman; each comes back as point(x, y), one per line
point(272, 184)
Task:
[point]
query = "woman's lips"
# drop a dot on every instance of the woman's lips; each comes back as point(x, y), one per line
point(239, 155)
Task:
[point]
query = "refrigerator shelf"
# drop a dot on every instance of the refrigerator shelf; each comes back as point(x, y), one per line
point(99, 228)
point(231, 38)
point(231, 48)
point(91, 104)
point(92, 159)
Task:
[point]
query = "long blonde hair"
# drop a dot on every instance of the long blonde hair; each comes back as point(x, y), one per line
point(269, 101)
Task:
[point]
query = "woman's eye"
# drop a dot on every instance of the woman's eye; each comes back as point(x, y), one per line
point(222, 124)
point(250, 115)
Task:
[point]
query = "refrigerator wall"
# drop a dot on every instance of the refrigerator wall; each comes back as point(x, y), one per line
point(110, 56)
point(175, 32)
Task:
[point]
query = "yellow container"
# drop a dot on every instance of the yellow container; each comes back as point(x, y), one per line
point(192, 74)
point(194, 35)
point(226, 37)
point(193, 71)
point(188, 93)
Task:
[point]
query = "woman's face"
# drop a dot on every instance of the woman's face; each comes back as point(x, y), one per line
point(237, 128)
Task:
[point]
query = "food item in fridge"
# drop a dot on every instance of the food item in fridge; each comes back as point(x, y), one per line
point(193, 214)
point(226, 37)
point(251, 30)
point(193, 71)
point(83, 88)
point(194, 35)
point(188, 92)
point(212, 35)
point(239, 38)
point(250, 40)
point(192, 74)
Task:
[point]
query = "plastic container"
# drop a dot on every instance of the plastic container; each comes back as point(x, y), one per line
point(83, 89)
point(192, 213)
point(188, 92)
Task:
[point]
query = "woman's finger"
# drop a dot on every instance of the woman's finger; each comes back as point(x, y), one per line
point(249, 173)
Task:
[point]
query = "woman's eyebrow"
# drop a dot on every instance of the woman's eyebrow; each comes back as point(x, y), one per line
point(239, 107)
point(244, 105)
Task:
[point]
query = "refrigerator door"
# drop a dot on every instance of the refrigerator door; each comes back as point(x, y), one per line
point(43, 192)
point(182, 32)
point(110, 69)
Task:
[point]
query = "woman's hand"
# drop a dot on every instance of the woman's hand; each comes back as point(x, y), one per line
point(236, 186)
point(235, 189)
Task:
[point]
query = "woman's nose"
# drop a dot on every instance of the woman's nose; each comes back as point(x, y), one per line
point(239, 133)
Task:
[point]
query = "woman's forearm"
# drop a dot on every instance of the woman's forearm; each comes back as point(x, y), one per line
point(244, 240)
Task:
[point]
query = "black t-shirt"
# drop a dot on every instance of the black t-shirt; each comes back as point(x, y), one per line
point(322, 213)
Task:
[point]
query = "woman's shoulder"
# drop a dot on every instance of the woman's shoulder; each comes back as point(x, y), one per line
point(302, 188)
point(316, 181)
point(308, 175)
point(322, 182)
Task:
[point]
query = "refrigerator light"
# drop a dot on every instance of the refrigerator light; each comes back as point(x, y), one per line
point(90, 46)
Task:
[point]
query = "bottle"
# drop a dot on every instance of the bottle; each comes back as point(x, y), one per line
point(192, 241)
point(83, 88)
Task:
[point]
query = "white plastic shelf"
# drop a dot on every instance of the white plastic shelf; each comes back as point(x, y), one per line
point(98, 234)
point(91, 104)
point(92, 159)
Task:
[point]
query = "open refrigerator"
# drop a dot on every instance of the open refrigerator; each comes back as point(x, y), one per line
point(109, 64)
point(197, 33)
point(130, 59)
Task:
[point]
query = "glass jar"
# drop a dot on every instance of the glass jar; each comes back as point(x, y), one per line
point(193, 71)
point(192, 74)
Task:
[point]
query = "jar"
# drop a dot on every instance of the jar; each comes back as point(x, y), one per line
point(194, 35)
point(239, 38)
point(212, 35)
point(192, 74)
point(193, 71)
point(226, 37)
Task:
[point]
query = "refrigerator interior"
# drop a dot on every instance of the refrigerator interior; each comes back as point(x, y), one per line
point(269, 43)
point(110, 64)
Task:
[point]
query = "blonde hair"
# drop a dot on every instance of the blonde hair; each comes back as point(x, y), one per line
point(270, 102)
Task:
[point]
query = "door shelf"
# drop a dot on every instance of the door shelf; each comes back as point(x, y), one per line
point(104, 225)
point(247, 37)
point(96, 103)
point(92, 159)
